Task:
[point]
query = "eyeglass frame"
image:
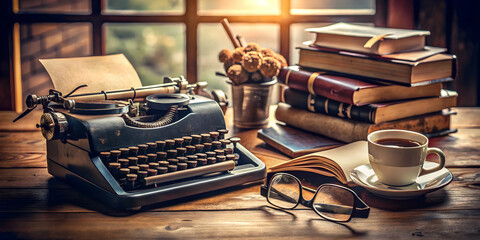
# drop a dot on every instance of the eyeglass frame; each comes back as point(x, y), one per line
point(359, 209)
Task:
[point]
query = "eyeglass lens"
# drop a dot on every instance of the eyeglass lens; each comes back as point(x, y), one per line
point(284, 191)
point(334, 203)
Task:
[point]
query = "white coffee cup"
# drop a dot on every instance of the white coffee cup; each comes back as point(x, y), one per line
point(400, 164)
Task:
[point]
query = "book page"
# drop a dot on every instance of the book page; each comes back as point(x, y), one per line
point(366, 31)
point(100, 73)
point(348, 156)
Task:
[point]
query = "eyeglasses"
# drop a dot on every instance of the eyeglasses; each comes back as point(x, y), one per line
point(330, 201)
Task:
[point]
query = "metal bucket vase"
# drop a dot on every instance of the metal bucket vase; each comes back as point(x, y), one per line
point(251, 104)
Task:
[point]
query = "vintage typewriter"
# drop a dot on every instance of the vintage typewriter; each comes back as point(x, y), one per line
point(128, 154)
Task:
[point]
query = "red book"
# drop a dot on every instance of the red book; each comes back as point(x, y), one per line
point(350, 90)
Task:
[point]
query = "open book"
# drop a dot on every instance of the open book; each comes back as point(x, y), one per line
point(337, 162)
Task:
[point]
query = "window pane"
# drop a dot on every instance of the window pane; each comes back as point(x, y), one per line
point(212, 38)
point(245, 7)
point(155, 50)
point(49, 40)
point(55, 6)
point(175, 7)
point(333, 7)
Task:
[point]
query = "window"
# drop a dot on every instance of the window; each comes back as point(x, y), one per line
point(166, 37)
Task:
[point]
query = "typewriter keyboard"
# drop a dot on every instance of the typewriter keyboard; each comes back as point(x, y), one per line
point(152, 163)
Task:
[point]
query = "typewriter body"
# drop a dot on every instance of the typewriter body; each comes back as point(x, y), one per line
point(128, 155)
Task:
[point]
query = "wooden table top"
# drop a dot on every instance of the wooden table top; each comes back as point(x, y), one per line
point(33, 204)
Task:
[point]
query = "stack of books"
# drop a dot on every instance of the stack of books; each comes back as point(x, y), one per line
point(353, 80)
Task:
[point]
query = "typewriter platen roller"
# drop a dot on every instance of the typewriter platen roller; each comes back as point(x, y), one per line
point(168, 146)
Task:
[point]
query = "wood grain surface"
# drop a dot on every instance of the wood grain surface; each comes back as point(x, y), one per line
point(34, 205)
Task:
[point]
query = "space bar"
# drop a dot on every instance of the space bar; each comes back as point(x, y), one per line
point(193, 172)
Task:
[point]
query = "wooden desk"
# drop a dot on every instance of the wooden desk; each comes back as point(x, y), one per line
point(33, 204)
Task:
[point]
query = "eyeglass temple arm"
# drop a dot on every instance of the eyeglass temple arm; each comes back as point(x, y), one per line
point(362, 210)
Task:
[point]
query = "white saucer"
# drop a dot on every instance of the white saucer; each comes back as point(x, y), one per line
point(365, 177)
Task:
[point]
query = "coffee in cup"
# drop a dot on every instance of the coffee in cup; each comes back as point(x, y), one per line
point(397, 156)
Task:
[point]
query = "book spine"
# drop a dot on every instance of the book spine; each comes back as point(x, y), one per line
point(330, 107)
point(337, 128)
point(347, 130)
point(317, 84)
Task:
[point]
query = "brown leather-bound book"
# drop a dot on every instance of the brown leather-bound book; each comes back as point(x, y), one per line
point(373, 113)
point(347, 130)
point(439, 67)
point(351, 90)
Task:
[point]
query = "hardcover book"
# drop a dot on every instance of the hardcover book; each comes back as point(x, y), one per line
point(436, 67)
point(372, 113)
point(347, 130)
point(351, 90)
point(295, 142)
point(369, 39)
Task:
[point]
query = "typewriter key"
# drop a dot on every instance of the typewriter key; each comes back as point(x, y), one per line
point(191, 158)
point(123, 173)
point(205, 137)
point(105, 157)
point(151, 157)
point(182, 159)
point(172, 161)
point(192, 164)
point(152, 147)
point(124, 152)
point(142, 149)
point(214, 135)
point(219, 152)
point(221, 158)
point(172, 153)
point(114, 167)
point(187, 140)
point(123, 162)
point(207, 147)
point(181, 151)
point(134, 169)
point(160, 146)
point(152, 172)
point(142, 175)
point(178, 142)
point(232, 157)
point(172, 168)
point(199, 148)
point(132, 161)
point(235, 140)
point(201, 161)
point(196, 139)
point(211, 160)
point(162, 170)
point(131, 178)
point(143, 167)
point(182, 166)
point(169, 143)
point(153, 165)
point(142, 159)
point(216, 145)
point(224, 142)
point(114, 154)
point(228, 151)
point(161, 156)
point(132, 151)
point(201, 155)
point(211, 154)
point(222, 133)
point(190, 150)
point(163, 163)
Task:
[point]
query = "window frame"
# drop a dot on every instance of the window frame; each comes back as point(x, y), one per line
point(190, 18)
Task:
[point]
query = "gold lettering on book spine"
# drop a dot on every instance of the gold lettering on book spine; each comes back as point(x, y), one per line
point(326, 106)
point(311, 103)
point(311, 81)
point(287, 77)
point(340, 110)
